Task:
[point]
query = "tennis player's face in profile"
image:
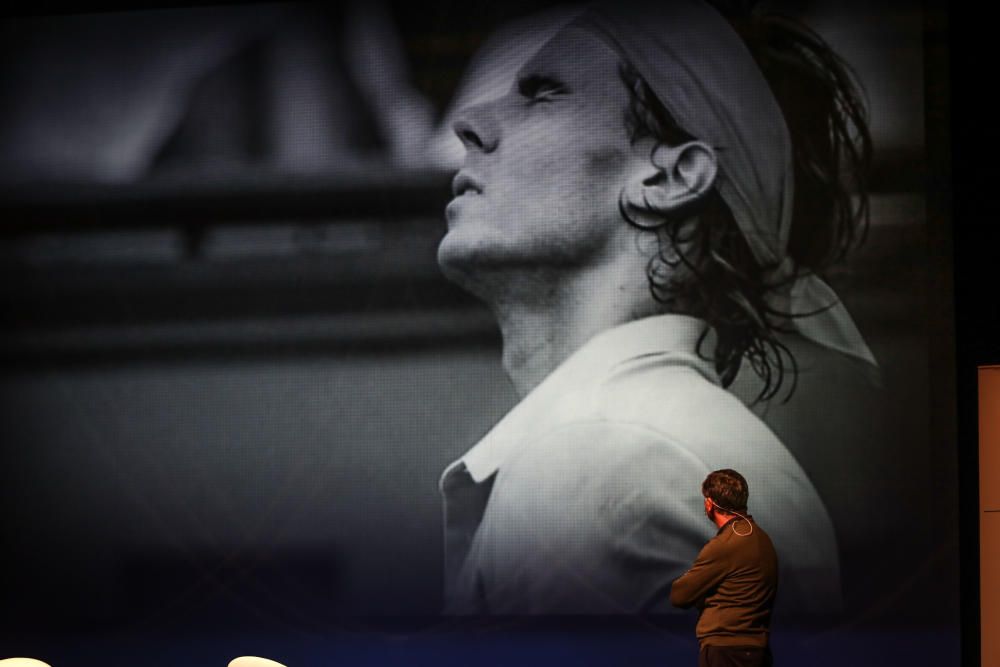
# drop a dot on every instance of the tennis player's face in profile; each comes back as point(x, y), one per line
point(544, 166)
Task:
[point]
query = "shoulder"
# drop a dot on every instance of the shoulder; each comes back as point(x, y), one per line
point(737, 540)
point(603, 467)
point(686, 409)
point(607, 448)
point(598, 491)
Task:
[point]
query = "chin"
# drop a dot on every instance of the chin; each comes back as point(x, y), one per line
point(474, 264)
point(457, 259)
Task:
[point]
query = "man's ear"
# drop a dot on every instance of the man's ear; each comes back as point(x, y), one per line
point(674, 178)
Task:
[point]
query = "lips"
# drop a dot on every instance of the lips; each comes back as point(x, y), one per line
point(464, 183)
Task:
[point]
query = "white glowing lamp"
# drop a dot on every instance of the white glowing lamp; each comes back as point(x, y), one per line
point(249, 661)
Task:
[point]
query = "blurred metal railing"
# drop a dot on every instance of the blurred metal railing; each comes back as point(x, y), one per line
point(253, 262)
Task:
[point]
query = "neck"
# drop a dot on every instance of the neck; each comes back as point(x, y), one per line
point(720, 519)
point(542, 331)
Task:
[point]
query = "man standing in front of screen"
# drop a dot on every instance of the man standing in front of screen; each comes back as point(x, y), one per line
point(733, 581)
point(625, 211)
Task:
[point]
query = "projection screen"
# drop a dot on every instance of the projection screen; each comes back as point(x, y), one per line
point(243, 341)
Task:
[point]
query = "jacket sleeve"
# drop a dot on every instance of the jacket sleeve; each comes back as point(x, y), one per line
point(691, 588)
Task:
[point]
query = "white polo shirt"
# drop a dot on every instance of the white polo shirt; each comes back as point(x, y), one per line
point(586, 497)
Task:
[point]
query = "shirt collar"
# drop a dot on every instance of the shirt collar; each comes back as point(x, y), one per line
point(676, 335)
point(747, 517)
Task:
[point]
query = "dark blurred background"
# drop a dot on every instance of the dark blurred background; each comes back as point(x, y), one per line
point(232, 373)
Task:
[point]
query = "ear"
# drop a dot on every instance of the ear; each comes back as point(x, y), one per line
point(674, 178)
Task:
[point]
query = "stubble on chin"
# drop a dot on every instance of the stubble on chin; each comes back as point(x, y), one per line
point(464, 266)
point(497, 274)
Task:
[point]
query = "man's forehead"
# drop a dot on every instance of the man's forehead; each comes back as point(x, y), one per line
point(573, 51)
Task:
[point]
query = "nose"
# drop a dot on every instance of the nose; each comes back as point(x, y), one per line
point(477, 129)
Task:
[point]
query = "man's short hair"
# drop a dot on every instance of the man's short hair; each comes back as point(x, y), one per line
point(727, 489)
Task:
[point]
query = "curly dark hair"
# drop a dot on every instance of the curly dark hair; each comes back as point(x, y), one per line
point(707, 269)
point(727, 488)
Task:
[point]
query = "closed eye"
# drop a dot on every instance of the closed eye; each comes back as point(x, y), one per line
point(538, 88)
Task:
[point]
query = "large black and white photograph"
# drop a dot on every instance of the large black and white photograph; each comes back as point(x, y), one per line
point(475, 333)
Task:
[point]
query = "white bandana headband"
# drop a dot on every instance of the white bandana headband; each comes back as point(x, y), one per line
point(703, 74)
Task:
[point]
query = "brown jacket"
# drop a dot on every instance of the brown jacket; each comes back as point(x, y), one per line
point(733, 583)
